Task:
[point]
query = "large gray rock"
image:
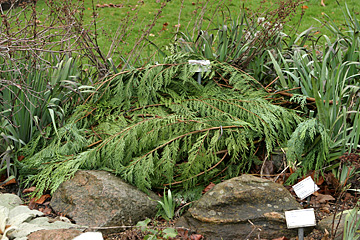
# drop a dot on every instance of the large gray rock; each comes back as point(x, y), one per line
point(225, 212)
point(100, 199)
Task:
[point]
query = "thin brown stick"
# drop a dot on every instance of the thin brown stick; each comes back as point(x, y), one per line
point(272, 82)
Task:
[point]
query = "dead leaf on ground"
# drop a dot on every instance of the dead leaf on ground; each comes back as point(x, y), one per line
point(183, 233)
point(319, 181)
point(347, 197)
point(46, 210)
point(11, 181)
point(42, 199)
point(326, 235)
point(304, 7)
point(28, 190)
point(281, 238)
point(325, 209)
point(32, 204)
point(323, 198)
point(208, 187)
point(196, 236)
point(332, 180)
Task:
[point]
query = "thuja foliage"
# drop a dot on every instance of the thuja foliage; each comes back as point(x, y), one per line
point(157, 126)
point(309, 147)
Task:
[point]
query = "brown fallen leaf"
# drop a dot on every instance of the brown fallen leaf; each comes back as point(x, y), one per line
point(42, 199)
point(322, 198)
point(332, 180)
point(325, 209)
point(11, 181)
point(304, 7)
point(196, 236)
point(347, 196)
point(30, 189)
point(281, 238)
point(32, 204)
point(183, 233)
point(208, 187)
point(326, 235)
point(46, 210)
point(319, 180)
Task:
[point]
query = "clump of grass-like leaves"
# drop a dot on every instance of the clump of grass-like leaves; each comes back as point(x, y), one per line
point(39, 78)
point(329, 85)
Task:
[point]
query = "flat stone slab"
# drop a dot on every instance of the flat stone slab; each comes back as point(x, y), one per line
point(234, 208)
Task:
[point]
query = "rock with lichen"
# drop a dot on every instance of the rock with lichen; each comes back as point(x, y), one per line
point(240, 208)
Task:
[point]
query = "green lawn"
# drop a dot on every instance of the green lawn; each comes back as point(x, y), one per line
point(109, 18)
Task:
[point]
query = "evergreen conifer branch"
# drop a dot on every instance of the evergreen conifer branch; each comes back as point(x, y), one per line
point(156, 125)
point(308, 146)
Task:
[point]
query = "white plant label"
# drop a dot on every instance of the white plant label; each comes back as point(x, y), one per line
point(300, 218)
point(204, 65)
point(305, 188)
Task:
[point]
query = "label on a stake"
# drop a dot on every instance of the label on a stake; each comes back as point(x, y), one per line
point(305, 188)
point(204, 65)
point(300, 218)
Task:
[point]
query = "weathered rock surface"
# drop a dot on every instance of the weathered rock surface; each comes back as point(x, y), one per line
point(329, 223)
point(57, 234)
point(10, 200)
point(17, 221)
point(100, 199)
point(224, 212)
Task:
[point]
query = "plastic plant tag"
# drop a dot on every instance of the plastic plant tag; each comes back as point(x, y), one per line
point(300, 218)
point(204, 65)
point(305, 188)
